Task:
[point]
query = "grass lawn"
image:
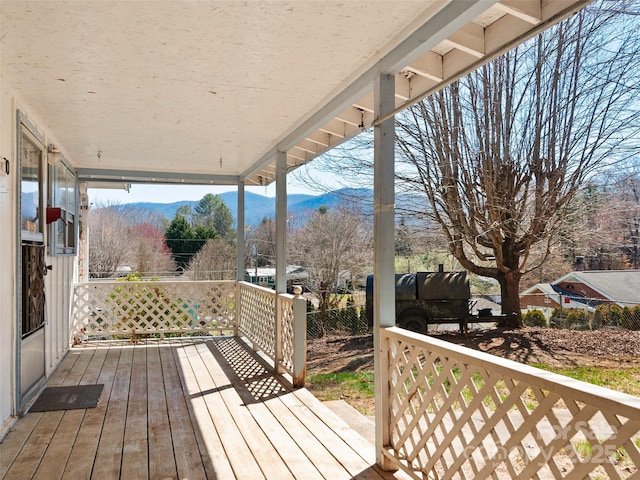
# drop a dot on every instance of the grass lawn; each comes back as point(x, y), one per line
point(358, 387)
point(626, 380)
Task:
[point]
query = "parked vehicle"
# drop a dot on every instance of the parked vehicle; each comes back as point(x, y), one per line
point(428, 298)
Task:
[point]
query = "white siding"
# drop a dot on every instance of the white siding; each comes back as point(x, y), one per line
point(7, 261)
point(58, 283)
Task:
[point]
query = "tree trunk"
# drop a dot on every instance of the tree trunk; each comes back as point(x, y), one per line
point(324, 300)
point(510, 291)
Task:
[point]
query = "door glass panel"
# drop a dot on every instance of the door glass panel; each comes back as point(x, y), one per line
point(31, 173)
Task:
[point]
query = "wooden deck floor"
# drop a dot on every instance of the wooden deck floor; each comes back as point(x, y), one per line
point(188, 409)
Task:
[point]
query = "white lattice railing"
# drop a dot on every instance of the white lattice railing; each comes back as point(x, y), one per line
point(292, 318)
point(108, 309)
point(113, 309)
point(457, 413)
point(276, 328)
point(257, 317)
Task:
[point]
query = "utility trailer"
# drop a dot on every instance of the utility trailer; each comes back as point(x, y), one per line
point(430, 298)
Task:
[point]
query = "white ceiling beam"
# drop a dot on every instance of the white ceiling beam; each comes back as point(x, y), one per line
point(334, 127)
point(309, 146)
point(420, 84)
point(456, 61)
point(529, 11)
point(403, 85)
point(500, 36)
point(445, 23)
point(352, 116)
point(321, 138)
point(429, 66)
point(469, 39)
point(140, 176)
point(448, 20)
point(365, 103)
point(301, 153)
point(296, 155)
point(501, 31)
point(552, 8)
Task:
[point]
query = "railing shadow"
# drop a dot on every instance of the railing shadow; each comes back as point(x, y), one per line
point(253, 379)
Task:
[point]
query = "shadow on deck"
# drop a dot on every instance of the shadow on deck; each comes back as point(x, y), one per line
point(202, 407)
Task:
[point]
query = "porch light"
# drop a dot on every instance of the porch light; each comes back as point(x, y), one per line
point(54, 157)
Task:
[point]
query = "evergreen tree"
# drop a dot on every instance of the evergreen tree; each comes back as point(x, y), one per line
point(181, 240)
point(211, 212)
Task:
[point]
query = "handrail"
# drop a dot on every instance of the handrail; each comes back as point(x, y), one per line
point(454, 411)
point(107, 309)
point(284, 340)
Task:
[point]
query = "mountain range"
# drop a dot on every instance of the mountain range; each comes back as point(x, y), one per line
point(259, 207)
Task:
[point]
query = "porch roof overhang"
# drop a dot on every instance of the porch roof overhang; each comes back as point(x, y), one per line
point(208, 92)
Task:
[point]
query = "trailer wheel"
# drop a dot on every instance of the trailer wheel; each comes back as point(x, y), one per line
point(413, 321)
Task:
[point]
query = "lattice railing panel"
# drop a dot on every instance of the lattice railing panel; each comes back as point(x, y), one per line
point(287, 324)
point(458, 413)
point(134, 308)
point(258, 317)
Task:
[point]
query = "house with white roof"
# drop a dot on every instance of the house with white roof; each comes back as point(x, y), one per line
point(584, 290)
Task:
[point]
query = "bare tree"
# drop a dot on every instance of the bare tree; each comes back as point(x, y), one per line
point(602, 231)
point(150, 255)
point(119, 237)
point(330, 243)
point(215, 261)
point(110, 241)
point(262, 244)
point(501, 153)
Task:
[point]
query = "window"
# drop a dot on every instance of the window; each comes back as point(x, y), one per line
point(30, 149)
point(63, 209)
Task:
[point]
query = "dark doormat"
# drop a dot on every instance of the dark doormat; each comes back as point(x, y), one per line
point(67, 398)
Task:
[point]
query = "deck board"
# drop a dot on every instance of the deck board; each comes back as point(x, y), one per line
point(135, 458)
point(84, 452)
point(270, 462)
point(109, 454)
point(12, 445)
point(162, 463)
point(231, 439)
point(184, 408)
point(186, 449)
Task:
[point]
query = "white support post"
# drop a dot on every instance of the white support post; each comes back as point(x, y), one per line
point(238, 309)
point(240, 249)
point(281, 247)
point(299, 339)
point(384, 252)
point(83, 235)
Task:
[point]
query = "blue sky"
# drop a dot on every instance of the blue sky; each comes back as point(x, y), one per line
point(176, 193)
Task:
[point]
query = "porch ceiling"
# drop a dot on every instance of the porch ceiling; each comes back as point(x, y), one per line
point(209, 91)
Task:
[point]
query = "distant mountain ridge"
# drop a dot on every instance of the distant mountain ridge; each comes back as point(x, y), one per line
point(258, 207)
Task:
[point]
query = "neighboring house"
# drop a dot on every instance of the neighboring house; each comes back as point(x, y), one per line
point(584, 290)
point(266, 276)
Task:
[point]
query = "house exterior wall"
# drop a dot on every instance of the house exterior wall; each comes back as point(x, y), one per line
point(538, 299)
point(7, 263)
point(58, 281)
point(580, 289)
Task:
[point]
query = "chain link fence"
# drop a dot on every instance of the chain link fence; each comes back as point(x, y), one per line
point(346, 321)
point(587, 314)
point(591, 315)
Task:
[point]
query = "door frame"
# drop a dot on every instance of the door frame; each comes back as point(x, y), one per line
point(23, 125)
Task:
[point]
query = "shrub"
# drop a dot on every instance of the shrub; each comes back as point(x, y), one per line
point(615, 315)
point(577, 318)
point(534, 318)
point(558, 318)
point(600, 317)
point(630, 318)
